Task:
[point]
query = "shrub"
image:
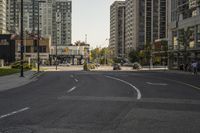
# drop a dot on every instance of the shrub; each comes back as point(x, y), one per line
point(17, 65)
point(91, 66)
point(136, 65)
point(85, 66)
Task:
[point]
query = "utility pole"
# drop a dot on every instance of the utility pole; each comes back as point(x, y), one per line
point(22, 42)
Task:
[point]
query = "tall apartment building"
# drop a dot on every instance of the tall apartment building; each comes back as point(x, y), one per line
point(184, 15)
point(46, 18)
point(12, 19)
point(134, 23)
point(2, 16)
point(30, 15)
point(44, 13)
point(155, 20)
point(145, 21)
point(117, 28)
point(61, 22)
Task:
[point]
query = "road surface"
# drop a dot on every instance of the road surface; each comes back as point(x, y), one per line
point(103, 102)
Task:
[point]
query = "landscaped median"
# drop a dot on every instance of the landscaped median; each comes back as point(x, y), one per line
point(8, 71)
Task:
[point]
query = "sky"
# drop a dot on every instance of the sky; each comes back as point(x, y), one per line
point(91, 17)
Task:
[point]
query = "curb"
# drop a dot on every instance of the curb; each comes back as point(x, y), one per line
point(36, 74)
point(169, 71)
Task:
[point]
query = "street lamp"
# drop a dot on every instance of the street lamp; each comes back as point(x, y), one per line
point(22, 43)
point(58, 21)
point(38, 39)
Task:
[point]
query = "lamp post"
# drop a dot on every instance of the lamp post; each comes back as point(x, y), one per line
point(105, 52)
point(22, 43)
point(56, 56)
point(58, 21)
point(38, 37)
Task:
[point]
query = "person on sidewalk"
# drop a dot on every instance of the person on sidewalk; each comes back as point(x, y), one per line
point(194, 67)
point(186, 67)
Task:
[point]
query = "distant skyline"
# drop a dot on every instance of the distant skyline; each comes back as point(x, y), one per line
point(91, 17)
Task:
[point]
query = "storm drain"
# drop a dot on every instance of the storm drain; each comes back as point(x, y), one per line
point(16, 130)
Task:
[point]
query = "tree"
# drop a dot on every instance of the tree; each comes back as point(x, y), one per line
point(185, 36)
point(134, 56)
point(101, 55)
point(95, 54)
point(141, 57)
point(79, 43)
point(164, 48)
point(147, 53)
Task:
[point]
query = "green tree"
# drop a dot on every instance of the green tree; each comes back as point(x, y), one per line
point(164, 48)
point(79, 43)
point(101, 55)
point(147, 53)
point(185, 36)
point(134, 56)
point(141, 57)
point(95, 55)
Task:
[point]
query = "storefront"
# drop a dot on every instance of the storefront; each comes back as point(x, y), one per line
point(7, 49)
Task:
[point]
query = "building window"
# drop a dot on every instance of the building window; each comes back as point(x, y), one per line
point(28, 49)
point(43, 49)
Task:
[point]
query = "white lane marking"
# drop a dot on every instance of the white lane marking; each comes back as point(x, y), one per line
point(185, 84)
point(139, 95)
point(162, 84)
point(76, 80)
point(129, 99)
point(14, 112)
point(71, 89)
point(180, 82)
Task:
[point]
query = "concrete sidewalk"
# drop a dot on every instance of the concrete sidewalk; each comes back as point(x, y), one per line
point(62, 68)
point(13, 81)
point(181, 72)
point(145, 69)
point(126, 68)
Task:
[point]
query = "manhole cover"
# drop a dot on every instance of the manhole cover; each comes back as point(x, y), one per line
point(16, 130)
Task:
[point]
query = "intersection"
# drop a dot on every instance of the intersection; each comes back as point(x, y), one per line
point(103, 102)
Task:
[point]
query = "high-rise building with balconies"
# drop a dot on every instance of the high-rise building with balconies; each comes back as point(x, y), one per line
point(184, 31)
point(134, 23)
point(61, 22)
point(46, 18)
point(117, 28)
point(155, 20)
point(2, 16)
point(30, 8)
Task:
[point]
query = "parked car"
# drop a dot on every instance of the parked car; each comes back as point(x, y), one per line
point(116, 67)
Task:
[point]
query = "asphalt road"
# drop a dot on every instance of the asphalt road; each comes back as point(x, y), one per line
point(103, 102)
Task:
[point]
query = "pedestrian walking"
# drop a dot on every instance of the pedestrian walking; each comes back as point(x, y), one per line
point(186, 67)
point(194, 67)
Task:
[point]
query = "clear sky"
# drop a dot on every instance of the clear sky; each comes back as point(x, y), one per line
point(91, 17)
